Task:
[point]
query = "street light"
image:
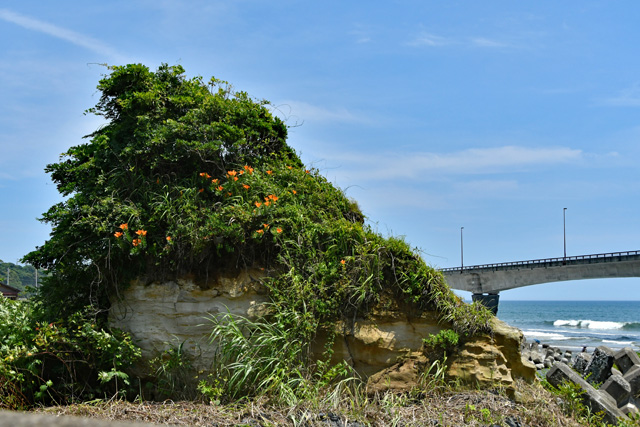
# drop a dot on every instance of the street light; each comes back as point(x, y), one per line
point(564, 228)
point(461, 251)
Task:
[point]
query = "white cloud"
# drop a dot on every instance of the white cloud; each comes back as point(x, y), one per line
point(472, 161)
point(432, 40)
point(60, 33)
point(427, 39)
point(629, 97)
point(484, 42)
point(299, 112)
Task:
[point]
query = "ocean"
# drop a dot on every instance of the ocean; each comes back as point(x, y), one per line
point(573, 324)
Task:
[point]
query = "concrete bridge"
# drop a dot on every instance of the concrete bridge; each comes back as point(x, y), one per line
point(486, 281)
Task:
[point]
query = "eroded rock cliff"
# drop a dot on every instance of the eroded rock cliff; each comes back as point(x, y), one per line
point(385, 347)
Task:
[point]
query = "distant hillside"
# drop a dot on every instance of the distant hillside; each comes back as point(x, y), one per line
point(20, 276)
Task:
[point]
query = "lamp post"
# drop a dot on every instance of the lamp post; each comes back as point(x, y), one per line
point(461, 251)
point(564, 230)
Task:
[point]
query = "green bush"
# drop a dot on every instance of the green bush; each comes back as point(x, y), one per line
point(189, 177)
point(437, 346)
point(58, 362)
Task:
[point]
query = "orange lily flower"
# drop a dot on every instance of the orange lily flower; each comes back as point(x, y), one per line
point(141, 232)
point(124, 226)
point(118, 234)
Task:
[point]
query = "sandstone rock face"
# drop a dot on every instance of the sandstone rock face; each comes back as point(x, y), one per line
point(376, 343)
point(493, 359)
point(387, 344)
point(164, 315)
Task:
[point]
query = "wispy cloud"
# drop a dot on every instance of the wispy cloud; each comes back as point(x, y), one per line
point(384, 166)
point(361, 36)
point(60, 33)
point(433, 40)
point(428, 39)
point(299, 112)
point(629, 97)
point(485, 42)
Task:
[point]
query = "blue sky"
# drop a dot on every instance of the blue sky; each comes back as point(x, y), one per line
point(492, 116)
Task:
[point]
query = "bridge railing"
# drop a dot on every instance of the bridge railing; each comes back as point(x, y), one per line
point(545, 261)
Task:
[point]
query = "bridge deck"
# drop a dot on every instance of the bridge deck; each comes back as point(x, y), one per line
point(549, 262)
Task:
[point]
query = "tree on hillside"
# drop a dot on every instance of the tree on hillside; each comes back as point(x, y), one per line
point(142, 169)
point(189, 177)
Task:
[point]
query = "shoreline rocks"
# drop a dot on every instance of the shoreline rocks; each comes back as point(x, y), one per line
point(614, 390)
point(544, 356)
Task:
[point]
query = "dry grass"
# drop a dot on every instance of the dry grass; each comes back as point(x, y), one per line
point(532, 407)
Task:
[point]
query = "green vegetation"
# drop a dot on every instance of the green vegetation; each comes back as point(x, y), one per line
point(58, 362)
point(185, 178)
point(20, 276)
point(437, 346)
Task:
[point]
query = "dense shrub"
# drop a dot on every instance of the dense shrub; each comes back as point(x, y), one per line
point(188, 177)
point(59, 362)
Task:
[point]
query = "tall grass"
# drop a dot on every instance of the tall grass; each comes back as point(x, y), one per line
point(270, 358)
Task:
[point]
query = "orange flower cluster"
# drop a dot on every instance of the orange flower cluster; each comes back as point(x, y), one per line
point(245, 186)
point(118, 234)
point(248, 169)
point(136, 242)
point(269, 172)
point(123, 226)
point(205, 175)
point(141, 233)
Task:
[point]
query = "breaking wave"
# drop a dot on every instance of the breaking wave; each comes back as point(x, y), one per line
point(597, 324)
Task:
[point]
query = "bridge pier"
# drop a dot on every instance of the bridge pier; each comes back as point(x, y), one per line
point(488, 300)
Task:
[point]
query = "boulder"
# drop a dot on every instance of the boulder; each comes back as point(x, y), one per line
point(402, 376)
point(581, 362)
point(491, 359)
point(599, 368)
